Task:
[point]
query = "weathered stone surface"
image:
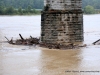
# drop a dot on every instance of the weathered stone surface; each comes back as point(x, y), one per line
point(62, 21)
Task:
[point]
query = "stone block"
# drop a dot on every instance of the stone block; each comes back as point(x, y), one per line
point(62, 22)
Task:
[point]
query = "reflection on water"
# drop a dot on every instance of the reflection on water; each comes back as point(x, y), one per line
point(57, 62)
point(29, 60)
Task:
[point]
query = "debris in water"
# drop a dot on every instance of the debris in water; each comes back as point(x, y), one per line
point(36, 41)
point(96, 42)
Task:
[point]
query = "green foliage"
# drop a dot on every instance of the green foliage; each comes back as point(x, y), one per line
point(28, 6)
point(93, 3)
point(89, 10)
point(91, 6)
point(37, 4)
point(21, 7)
point(97, 11)
point(1, 10)
point(9, 11)
point(19, 11)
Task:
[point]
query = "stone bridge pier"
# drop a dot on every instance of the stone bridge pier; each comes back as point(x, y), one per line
point(62, 21)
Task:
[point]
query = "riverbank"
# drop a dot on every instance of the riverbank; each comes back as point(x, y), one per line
point(19, 11)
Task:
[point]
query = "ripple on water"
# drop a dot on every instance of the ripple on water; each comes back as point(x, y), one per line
point(27, 60)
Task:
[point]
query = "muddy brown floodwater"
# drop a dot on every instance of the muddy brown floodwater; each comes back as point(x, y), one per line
point(30, 60)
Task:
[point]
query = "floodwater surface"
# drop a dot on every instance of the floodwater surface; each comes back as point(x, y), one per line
point(30, 60)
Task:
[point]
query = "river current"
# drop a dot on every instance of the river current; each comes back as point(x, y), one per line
point(30, 60)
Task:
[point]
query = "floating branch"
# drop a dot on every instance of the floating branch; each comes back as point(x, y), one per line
point(21, 37)
point(96, 42)
point(36, 41)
